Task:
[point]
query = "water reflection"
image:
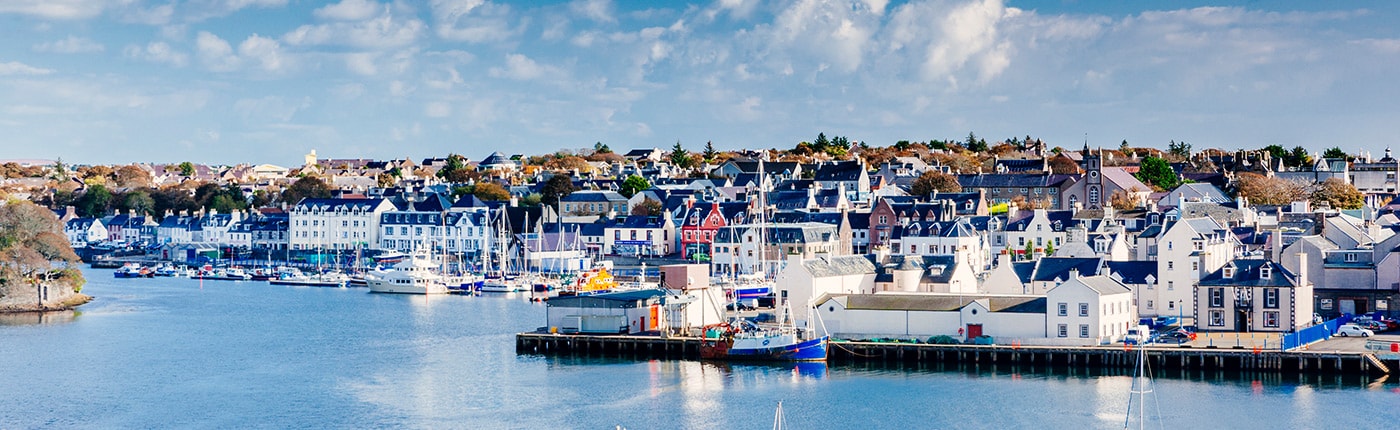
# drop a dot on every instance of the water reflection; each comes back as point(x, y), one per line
point(38, 318)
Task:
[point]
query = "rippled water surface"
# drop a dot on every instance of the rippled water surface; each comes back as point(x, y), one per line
point(181, 353)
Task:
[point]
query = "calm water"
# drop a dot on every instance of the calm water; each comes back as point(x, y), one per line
point(175, 353)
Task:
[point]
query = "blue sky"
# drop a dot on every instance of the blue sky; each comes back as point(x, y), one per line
point(265, 81)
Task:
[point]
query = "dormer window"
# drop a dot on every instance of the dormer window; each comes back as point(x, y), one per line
point(1265, 271)
point(1229, 272)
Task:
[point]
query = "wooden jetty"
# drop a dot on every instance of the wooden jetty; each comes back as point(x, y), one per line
point(1108, 357)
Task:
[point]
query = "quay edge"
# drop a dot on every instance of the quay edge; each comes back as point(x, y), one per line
point(842, 352)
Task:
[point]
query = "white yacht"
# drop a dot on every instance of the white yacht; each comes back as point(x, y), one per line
point(414, 275)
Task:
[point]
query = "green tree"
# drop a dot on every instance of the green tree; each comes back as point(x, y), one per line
point(186, 169)
point(932, 181)
point(600, 148)
point(902, 145)
point(308, 187)
point(632, 185)
point(260, 199)
point(60, 170)
point(94, 202)
point(491, 192)
point(1297, 157)
point(1275, 151)
point(532, 199)
point(1029, 251)
point(456, 170)
point(1050, 248)
point(1156, 172)
point(680, 157)
point(139, 201)
point(555, 188)
point(1335, 152)
point(1181, 149)
point(1124, 147)
point(710, 153)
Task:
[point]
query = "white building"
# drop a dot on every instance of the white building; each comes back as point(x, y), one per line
point(641, 235)
point(336, 223)
point(804, 280)
point(84, 231)
point(1090, 310)
point(463, 233)
point(1006, 318)
point(956, 238)
point(747, 248)
point(1185, 252)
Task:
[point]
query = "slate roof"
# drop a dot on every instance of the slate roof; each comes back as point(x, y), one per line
point(593, 196)
point(840, 171)
point(1248, 274)
point(944, 302)
point(840, 265)
point(1009, 180)
point(1052, 268)
point(1104, 285)
point(1133, 272)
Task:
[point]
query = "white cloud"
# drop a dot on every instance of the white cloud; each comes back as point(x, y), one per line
point(361, 63)
point(18, 68)
point(199, 10)
point(380, 32)
point(158, 15)
point(348, 10)
point(472, 21)
point(522, 68)
point(157, 52)
point(70, 45)
point(55, 9)
point(215, 53)
point(266, 52)
point(596, 10)
point(349, 91)
point(437, 110)
point(270, 108)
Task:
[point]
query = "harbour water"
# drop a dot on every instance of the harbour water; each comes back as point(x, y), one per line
point(180, 353)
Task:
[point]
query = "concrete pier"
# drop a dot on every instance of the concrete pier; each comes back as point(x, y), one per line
point(1116, 357)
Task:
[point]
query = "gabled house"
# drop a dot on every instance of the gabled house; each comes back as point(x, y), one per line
point(82, 232)
point(641, 235)
point(1254, 295)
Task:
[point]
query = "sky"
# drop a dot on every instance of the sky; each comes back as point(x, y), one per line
point(266, 81)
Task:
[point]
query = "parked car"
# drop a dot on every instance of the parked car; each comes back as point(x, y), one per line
point(1175, 336)
point(1373, 325)
point(1140, 334)
point(1348, 330)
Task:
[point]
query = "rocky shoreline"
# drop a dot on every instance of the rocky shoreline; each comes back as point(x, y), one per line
point(69, 303)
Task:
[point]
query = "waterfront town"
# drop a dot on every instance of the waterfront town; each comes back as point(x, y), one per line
point(957, 239)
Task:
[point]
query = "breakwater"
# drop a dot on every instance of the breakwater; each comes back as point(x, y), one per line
point(1183, 358)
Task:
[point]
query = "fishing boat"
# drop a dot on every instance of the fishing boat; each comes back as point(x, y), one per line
point(222, 274)
point(328, 279)
point(132, 270)
point(740, 339)
point(416, 274)
point(168, 271)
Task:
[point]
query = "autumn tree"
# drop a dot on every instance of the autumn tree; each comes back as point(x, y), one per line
point(648, 207)
point(31, 243)
point(131, 176)
point(1337, 194)
point(632, 185)
point(1062, 165)
point(1122, 201)
point(491, 192)
point(1157, 173)
point(934, 181)
point(1269, 190)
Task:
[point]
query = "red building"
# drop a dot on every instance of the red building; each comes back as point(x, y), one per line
point(702, 220)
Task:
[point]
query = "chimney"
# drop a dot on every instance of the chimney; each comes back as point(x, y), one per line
point(1302, 269)
point(1012, 211)
point(1319, 223)
point(514, 201)
point(1074, 273)
point(1276, 242)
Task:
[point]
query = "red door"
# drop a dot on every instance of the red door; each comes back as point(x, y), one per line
point(974, 331)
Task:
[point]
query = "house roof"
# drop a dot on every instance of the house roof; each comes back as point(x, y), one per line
point(944, 302)
point(840, 265)
point(1249, 273)
point(1010, 180)
point(1134, 272)
point(1052, 268)
point(1103, 285)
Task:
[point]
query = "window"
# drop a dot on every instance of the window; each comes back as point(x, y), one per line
point(617, 234)
point(1149, 304)
point(1083, 330)
point(884, 219)
point(1093, 196)
point(1021, 241)
point(1064, 309)
point(1195, 266)
point(1351, 258)
point(1217, 318)
point(1169, 245)
point(1171, 265)
point(1171, 305)
point(911, 249)
point(1171, 285)
point(1229, 272)
point(1083, 309)
point(1265, 272)
point(1217, 297)
point(1271, 298)
point(1271, 319)
point(1064, 330)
